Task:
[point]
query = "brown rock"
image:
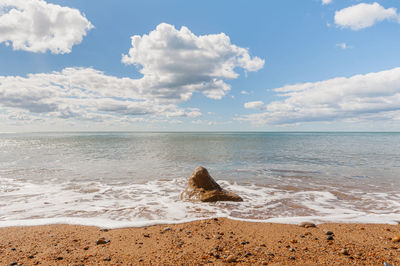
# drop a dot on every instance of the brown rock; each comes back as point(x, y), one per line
point(231, 258)
point(307, 224)
point(396, 239)
point(102, 241)
point(202, 187)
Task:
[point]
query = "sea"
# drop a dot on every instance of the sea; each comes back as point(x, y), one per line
point(133, 179)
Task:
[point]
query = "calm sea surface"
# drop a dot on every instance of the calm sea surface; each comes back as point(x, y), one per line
point(135, 179)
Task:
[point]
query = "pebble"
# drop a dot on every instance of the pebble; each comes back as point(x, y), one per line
point(107, 259)
point(146, 235)
point(387, 264)
point(104, 229)
point(328, 233)
point(86, 248)
point(180, 243)
point(31, 257)
point(166, 229)
point(396, 239)
point(248, 254)
point(102, 241)
point(307, 224)
point(293, 241)
point(59, 258)
point(292, 250)
point(245, 242)
point(231, 258)
point(344, 252)
point(292, 258)
point(329, 237)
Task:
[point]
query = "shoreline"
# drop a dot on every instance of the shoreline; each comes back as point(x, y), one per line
point(215, 241)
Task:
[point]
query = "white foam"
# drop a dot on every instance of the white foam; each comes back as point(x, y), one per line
point(158, 202)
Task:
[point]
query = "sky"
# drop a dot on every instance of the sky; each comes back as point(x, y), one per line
point(127, 65)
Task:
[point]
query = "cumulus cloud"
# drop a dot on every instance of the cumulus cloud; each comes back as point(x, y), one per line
point(326, 2)
point(254, 105)
point(177, 63)
point(364, 15)
point(361, 97)
point(82, 93)
point(37, 26)
point(244, 92)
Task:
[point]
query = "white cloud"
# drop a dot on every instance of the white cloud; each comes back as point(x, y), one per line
point(177, 63)
point(344, 46)
point(37, 26)
point(325, 2)
point(364, 15)
point(254, 105)
point(244, 92)
point(361, 97)
point(82, 93)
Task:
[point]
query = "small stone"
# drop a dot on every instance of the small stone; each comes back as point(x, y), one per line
point(292, 258)
point(307, 225)
point(13, 249)
point(86, 248)
point(271, 254)
point(329, 238)
point(59, 258)
point(387, 264)
point(344, 252)
point(248, 254)
point(102, 241)
point(104, 229)
point(146, 235)
point(231, 258)
point(31, 257)
point(13, 263)
point(166, 229)
point(180, 244)
point(292, 250)
point(293, 241)
point(328, 233)
point(107, 259)
point(396, 239)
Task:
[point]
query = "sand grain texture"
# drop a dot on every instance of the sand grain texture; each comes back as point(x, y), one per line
point(213, 241)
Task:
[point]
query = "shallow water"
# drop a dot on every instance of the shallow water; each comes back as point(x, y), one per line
point(134, 179)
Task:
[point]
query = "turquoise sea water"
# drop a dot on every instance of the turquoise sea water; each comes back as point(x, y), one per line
point(133, 179)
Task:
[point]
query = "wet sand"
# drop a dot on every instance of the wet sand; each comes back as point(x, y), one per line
point(214, 241)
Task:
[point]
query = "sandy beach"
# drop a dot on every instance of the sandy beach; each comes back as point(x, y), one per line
point(213, 241)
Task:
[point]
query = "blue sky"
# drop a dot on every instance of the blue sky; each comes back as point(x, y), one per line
point(301, 65)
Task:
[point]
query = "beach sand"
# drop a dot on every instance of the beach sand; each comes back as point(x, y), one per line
point(214, 241)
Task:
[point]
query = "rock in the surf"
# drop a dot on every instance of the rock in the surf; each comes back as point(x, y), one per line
point(202, 187)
